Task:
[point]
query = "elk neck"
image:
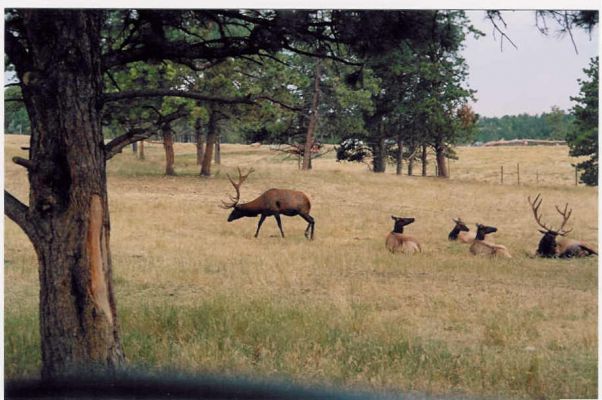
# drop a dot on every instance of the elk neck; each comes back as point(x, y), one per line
point(453, 235)
point(547, 245)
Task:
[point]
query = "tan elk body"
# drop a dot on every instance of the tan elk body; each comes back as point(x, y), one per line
point(272, 202)
point(397, 241)
point(482, 247)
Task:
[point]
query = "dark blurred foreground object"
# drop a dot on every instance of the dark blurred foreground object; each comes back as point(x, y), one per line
point(140, 386)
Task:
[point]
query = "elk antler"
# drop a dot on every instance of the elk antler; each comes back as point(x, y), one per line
point(565, 218)
point(241, 179)
point(458, 221)
point(535, 207)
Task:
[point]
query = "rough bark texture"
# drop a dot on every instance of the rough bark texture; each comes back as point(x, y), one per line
point(169, 152)
point(199, 140)
point(441, 164)
point(379, 160)
point(68, 195)
point(211, 136)
point(399, 155)
point(135, 147)
point(424, 159)
point(313, 119)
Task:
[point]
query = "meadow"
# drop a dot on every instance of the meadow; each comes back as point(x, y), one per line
point(201, 295)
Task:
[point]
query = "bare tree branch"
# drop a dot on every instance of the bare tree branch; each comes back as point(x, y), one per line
point(30, 165)
point(133, 135)
point(19, 214)
point(108, 97)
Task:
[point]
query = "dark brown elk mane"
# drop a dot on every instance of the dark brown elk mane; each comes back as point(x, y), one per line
point(397, 241)
point(550, 245)
point(273, 202)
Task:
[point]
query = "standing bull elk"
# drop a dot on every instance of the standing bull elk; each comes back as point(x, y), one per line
point(552, 246)
point(272, 202)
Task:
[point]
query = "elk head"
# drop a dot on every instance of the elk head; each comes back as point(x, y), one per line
point(483, 230)
point(459, 227)
point(547, 245)
point(400, 223)
point(236, 212)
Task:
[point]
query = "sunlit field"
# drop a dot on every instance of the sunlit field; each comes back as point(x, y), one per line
point(201, 295)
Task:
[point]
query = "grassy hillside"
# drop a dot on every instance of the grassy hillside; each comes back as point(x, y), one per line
point(198, 294)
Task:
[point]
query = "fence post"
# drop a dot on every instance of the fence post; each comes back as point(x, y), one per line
point(518, 173)
point(502, 174)
point(576, 176)
point(537, 177)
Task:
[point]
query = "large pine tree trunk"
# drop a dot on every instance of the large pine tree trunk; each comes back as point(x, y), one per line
point(313, 119)
point(399, 155)
point(199, 140)
point(211, 137)
point(68, 215)
point(441, 162)
point(169, 151)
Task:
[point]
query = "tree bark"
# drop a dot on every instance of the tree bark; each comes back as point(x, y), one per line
point(199, 140)
point(313, 119)
point(424, 159)
point(68, 191)
point(141, 150)
point(379, 160)
point(211, 137)
point(399, 155)
point(169, 152)
point(218, 149)
point(135, 147)
point(441, 163)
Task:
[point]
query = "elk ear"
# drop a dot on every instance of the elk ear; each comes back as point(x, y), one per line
point(394, 217)
point(542, 231)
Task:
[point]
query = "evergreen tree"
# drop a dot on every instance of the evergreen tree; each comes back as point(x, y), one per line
point(583, 139)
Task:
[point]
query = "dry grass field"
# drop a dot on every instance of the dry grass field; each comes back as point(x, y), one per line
point(198, 294)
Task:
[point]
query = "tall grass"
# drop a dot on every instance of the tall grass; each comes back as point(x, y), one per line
point(197, 294)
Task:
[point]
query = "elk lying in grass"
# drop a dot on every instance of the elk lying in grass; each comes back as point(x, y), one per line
point(399, 241)
point(461, 233)
point(272, 202)
point(482, 247)
point(552, 246)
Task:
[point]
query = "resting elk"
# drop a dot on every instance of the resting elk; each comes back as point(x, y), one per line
point(399, 241)
point(272, 202)
point(461, 233)
point(482, 247)
point(552, 246)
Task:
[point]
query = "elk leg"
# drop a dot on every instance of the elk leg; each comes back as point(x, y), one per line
point(310, 225)
point(261, 219)
point(277, 216)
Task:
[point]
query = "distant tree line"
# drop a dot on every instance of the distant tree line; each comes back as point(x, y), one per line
point(553, 125)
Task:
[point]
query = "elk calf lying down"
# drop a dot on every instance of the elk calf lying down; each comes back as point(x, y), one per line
point(482, 247)
point(397, 241)
point(272, 202)
point(550, 245)
point(461, 233)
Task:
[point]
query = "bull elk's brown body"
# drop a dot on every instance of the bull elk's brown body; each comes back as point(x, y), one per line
point(482, 247)
point(550, 244)
point(273, 202)
point(397, 241)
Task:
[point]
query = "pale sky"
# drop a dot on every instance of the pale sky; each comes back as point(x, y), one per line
point(541, 73)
